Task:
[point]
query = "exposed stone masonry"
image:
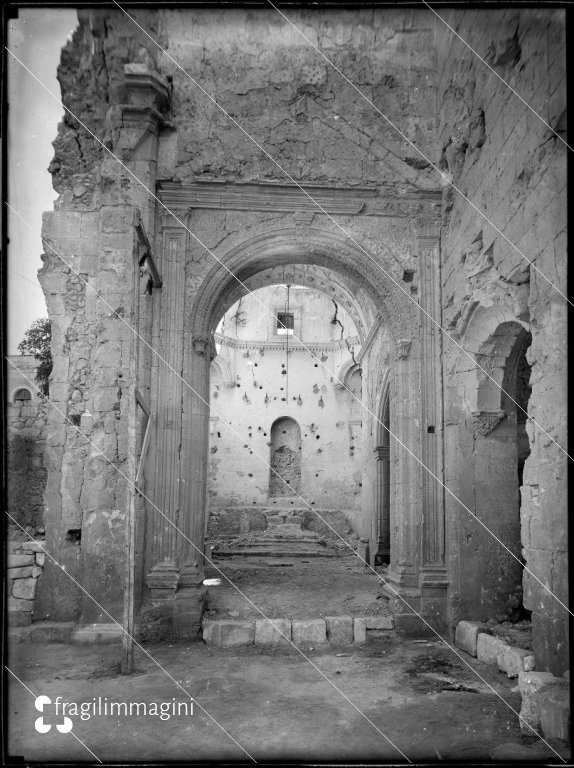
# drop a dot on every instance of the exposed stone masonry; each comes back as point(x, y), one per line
point(409, 226)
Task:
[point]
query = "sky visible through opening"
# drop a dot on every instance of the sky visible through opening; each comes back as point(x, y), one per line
point(36, 38)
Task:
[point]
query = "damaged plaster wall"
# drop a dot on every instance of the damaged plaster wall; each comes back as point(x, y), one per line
point(514, 169)
point(259, 388)
point(89, 256)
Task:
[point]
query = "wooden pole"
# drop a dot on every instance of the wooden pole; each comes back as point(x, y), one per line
point(127, 665)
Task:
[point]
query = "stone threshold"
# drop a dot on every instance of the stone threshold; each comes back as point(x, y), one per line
point(545, 706)
point(334, 630)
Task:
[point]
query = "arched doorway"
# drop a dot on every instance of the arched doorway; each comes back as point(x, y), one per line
point(493, 454)
point(386, 322)
point(285, 458)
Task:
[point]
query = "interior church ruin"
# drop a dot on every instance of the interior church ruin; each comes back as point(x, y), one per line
point(299, 317)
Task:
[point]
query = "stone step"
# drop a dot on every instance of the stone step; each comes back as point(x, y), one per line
point(336, 631)
point(251, 552)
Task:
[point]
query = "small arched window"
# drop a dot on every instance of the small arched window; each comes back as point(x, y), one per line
point(21, 395)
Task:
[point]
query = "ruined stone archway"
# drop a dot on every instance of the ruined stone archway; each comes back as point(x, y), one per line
point(367, 285)
point(227, 281)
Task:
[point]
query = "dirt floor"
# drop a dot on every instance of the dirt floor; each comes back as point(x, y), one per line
point(274, 703)
point(312, 588)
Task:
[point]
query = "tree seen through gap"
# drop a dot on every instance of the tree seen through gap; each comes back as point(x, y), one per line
point(36, 342)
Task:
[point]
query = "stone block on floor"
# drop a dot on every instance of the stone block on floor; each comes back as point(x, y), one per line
point(273, 633)
point(359, 631)
point(529, 683)
point(309, 631)
point(511, 660)
point(99, 634)
point(466, 636)
point(379, 622)
point(554, 708)
point(489, 647)
point(228, 634)
point(339, 630)
point(51, 632)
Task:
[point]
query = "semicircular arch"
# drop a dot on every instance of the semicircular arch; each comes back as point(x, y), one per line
point(220, 289)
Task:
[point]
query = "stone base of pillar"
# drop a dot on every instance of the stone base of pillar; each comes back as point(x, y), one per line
point(434, 605)
point(156, 622)
point(404, 593)
point(156, 616)
point(190, 601)
point(551, 646)
point(188, 611)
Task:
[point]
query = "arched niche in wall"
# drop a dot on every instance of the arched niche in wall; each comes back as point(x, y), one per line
point(495, 393)
point(21, 395)
point(285, 458)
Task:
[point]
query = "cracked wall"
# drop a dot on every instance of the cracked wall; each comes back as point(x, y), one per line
point(512, 168)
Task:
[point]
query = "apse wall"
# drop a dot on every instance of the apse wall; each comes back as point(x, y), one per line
point(250, 391)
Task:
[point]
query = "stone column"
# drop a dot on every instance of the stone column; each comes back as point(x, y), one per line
point(382, 502)
point(433, 581)
point(167, 369)
point(190, 596)
point(406, 502)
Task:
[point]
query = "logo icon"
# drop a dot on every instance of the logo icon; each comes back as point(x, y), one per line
point(43, 727)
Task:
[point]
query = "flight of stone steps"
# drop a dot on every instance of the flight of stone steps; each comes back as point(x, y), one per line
point(284, 537)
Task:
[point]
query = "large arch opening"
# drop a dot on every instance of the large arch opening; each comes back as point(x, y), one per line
point(295, 400)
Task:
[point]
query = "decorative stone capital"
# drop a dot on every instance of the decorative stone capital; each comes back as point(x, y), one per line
point(485, 422)
point(403, 347)
point(201, 345)
point(204, 347)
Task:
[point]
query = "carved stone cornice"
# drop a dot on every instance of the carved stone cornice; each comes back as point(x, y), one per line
point(289, 198)
point(294, 346)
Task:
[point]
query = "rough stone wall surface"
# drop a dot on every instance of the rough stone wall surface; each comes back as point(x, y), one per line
point(25, 565)
point(514, 169)
point(316, 128)
point(26, 427)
